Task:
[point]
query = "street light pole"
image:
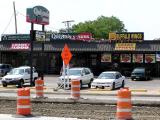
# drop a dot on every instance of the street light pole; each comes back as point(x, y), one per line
point(67, 23)
point(31, 53)
point(42, 60)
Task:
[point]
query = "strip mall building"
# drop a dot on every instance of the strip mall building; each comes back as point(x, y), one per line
point(99, 56)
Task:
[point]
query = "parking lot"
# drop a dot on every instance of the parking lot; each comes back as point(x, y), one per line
point(153, 84)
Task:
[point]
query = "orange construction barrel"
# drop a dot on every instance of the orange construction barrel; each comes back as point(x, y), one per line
point(75, 89)
point(23, 101)
point(124, 105)
point(39, 85)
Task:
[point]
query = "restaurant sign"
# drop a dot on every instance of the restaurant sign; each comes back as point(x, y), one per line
point(38, 15)
point(125, 46)
point(127, 36)
point(6, 37)
point(72, 36)
point(20, 46)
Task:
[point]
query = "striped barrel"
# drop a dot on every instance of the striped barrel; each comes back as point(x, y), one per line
point(75, 89)
point(124, 105)
point(39, 85)
point(23, 101)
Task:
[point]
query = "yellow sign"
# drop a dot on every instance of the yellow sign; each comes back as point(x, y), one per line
point(125, 46)
point(112, 36)
point(126, 36)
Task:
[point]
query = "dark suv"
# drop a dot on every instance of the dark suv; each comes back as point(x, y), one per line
point(140, 74)
point(4, 68)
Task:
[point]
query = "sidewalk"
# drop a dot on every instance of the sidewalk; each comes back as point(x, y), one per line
point(17, 117)
point(51, 90)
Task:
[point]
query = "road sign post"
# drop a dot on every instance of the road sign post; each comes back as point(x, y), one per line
point(66, 56)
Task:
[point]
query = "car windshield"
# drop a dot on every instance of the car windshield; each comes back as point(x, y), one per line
point(106, 76)
point(16, 72)
point(74, 72)
point(138, 70)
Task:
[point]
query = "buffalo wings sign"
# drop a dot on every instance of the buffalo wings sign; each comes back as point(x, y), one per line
point(131, 36)
point(38, 15)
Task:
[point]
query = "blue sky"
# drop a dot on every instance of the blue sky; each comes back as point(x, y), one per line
point(137, 15)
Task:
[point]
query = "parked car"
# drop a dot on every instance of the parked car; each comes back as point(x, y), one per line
point(19, 76)
point(4, 68)
point(82, 73)
point(140, 73)
point(109, 79)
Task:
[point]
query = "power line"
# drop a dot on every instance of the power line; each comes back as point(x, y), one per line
point(8, 23)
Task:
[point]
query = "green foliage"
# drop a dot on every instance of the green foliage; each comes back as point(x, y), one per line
point(101, 27)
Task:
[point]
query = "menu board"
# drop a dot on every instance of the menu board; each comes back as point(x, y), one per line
point(106, 57)
point(150, 58)
point(126, 58)
point(158, 57)
point(138, 58)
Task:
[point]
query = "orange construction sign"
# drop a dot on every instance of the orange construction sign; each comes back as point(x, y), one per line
point(66, 54)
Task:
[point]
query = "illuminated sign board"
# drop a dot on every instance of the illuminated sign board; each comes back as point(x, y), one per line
point(72, 36)
point(38, 15)
point(127, 36)
point(6, 37)
point(40, 36)
point(125, 46)
point(20, 46)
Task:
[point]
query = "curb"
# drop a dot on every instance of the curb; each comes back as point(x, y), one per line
point(85, 101)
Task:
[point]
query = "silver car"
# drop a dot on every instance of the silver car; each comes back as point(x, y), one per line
point(81, 73)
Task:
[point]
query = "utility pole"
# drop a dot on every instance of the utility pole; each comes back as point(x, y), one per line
point(15, 18)
point(67, 23)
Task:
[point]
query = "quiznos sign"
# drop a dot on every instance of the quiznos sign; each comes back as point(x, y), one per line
point(38, 15)
point(74, 36)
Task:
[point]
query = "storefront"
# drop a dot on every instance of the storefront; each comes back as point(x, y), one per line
point(99, 56)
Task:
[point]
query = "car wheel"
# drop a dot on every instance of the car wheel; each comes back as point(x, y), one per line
point(89, 84)
point(4, 84)
point(80, 84)
point(21, 83)
point(33, 82)
point(122, 84)
point(113, 86)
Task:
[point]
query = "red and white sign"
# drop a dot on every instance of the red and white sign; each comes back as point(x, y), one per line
point(20, 46)
point(84, 36)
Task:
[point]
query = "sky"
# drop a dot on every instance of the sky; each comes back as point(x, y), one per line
point(137, 15)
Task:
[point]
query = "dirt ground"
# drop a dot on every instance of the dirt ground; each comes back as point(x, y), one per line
point(81, 111)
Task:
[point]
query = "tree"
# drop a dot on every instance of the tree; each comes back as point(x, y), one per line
point(101, 27)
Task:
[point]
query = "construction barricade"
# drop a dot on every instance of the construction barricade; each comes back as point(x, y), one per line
point(75, 89)
point(39, 86)
point(124, 105)
point(23, 101)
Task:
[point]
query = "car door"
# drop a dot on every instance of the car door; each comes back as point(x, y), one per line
point(87, 75)
point(27, 75)
point(83, 76)
point(118, 80)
